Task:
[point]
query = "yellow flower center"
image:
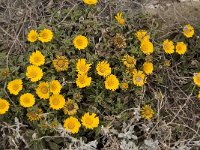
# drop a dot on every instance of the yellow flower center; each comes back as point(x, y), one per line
point(55, 101)
point(89, 121)
point(34, 36)
point(44, 90)
point(2, 105)
point(61, 63)
point(15, 87)
point(147, 112)
point(26, 100)
point(79, 42)
point(102, 69)
point(33, 74)
point(83, 68)
point(130, 60)
point(44, 35)
point(71, 125)
point(110, 82)
point(82, 80)
point(70, 106)
point(138, 79)
point(53, 87)
point(37, 59)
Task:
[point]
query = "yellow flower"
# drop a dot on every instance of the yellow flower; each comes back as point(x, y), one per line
point(54, 124)
point(146, 47)
point(15, 86)
point(188, 31)
point(181, 48)
point(139, 78)
point(4, 106)
point(129, 61)
point(196, 79)
point(57, 101)
point(111, 82)
point(60, 63)
point(124, 86)
point(80, 42)
point(83, 80)
point(72, 124)
point(34, 73)
point(119, 41)
point(43, 90)
point(82, 67)
point(55, 86)
point(90, 121)
point(148, 68)
point(35, 114)
point(70, 107)
point(147, 112)
point(142, 35)
point(119, 18)
point(32, 36)
point(199, 95)
point(103, 68)
point(27, 100)
point(37, 58)
point(131, 70)
point(90, 2)
point(168, 46)
point(45, 35)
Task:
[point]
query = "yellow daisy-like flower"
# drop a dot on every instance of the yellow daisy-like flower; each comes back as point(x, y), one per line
point(82, 67)
point(111, 82)
point(181, 48)
point(27, 100)
point(4, 106)
point(72, 124)
point(147, 112)
point(43, 90)
point(129, 61)
point(35, 114)
point(45, 35)
point(83, 80)
point(90, 121)
point(124, 86)
point(196, 79)
point(55, 86)
point(148, 68)
point(142, 35)
point(120, 19)
point(146, 47)
point(37, 58)
point(131, 70)
point(188, 31)
point(15, 86)
point(139, 78)
point(80, 42)
point(168, 46)
point(34, 73)
point(57, 101)
point(32, 36)
point(103, 68)
point(90, 2)
point(60, 63)
point(70, 107)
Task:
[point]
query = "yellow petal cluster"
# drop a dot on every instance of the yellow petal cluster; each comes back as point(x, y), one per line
point(90, 121)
